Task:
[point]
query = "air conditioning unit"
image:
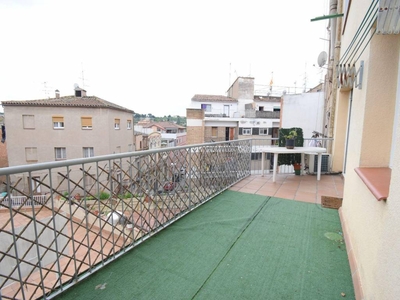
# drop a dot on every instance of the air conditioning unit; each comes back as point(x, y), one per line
point(313, 163)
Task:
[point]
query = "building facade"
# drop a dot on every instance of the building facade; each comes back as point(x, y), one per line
point(367, 144)
point(67, 127)
point(240, 114)
point(171, 134)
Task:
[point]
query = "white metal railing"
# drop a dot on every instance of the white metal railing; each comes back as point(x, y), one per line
point(16, 201)
point(95, 209)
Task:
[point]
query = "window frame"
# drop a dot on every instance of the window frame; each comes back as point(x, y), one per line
point(86, 127)
point(117, 124)
point(58, 122)
point(246, 131)
point(63, 153)
point(262, 129)
point(206, 107)
point(88, 150)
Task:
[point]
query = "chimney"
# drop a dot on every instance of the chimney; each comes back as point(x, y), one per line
point(57, 94)
point(80, 92)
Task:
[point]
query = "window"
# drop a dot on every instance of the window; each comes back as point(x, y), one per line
point(214, 131)
point(246, 131)
point(88, 151)
point(129, 124)
point(263, 131)
point(28, 121)
point(86, 122)
point(256, 156)
point(60, 153)
point(116, 123)
point(34, 184)
point(206, 107)
point(118, 149)
point(58, 122)
point(261, 108)
point(31, 154)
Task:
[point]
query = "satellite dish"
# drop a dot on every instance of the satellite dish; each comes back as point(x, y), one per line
point(76, 85)
point(322, 57)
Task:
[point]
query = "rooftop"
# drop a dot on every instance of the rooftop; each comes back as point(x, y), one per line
point(68, 101)
point(243, 244)
point(213, 98)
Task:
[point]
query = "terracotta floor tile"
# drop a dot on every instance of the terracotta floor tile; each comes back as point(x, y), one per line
point(286, 194)
point(248, 190)
point(305, 197)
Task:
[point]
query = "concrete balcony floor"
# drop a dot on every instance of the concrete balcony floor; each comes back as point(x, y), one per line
point(258, 240)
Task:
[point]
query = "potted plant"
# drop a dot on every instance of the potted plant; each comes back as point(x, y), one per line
point(290, 138)
point(297, 168)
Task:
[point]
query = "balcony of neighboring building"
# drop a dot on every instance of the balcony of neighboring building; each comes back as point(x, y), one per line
point(260, 113)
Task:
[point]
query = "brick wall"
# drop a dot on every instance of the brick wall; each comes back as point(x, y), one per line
point(194, 133)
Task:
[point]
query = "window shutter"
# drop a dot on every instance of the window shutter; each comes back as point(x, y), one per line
point(86, 121)
point(256, 131)
point(58, 119)
point(240, 130)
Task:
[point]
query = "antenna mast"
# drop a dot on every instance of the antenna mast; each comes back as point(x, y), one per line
point(83, 77)
point(45, 89)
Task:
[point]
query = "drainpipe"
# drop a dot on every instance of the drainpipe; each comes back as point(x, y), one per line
point(335, 37)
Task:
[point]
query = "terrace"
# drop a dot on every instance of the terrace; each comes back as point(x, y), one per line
point(218, 229)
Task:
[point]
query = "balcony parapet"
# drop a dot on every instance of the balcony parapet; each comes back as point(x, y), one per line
point(251, 113)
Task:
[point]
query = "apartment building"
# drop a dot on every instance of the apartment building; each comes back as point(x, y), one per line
point(240, 114)
point(367, 145)
point(66, 127)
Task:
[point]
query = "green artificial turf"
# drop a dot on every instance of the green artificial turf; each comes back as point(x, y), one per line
point(236, 246)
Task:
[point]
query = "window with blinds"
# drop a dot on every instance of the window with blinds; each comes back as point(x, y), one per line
point(86, 122)
point(60, 153)
point(88, 151)
point(116, 124)
point(58, 122)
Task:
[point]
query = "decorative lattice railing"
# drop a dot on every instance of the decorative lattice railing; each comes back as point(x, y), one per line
point(92, 210)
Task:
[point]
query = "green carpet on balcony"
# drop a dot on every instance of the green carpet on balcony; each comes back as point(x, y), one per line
point(237, 246)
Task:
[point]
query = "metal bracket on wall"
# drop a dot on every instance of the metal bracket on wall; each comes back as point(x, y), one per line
point(359, 75)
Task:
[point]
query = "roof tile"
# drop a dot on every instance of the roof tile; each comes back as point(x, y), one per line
point(68, 101)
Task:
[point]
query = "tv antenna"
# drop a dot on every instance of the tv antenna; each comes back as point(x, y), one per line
point(83, 77)
point(46, 89)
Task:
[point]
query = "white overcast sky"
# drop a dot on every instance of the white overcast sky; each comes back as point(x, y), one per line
point(153, 56)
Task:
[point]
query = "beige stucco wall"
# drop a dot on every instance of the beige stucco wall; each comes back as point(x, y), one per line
point(103, 137)
point(338, 147)
point(374, 226)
